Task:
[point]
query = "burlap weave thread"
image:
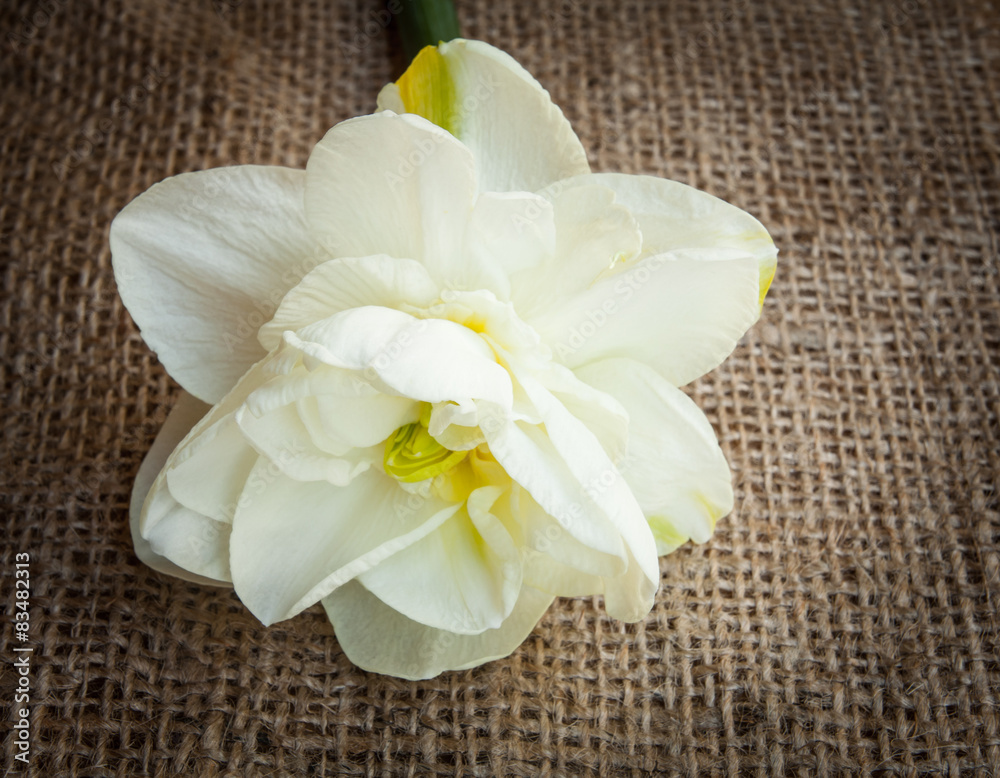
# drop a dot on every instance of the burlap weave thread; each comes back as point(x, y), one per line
point(843, 621)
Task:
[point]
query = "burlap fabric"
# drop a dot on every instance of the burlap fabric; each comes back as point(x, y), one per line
point(843, 620)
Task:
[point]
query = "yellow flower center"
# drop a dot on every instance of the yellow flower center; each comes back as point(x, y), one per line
point(412, 455)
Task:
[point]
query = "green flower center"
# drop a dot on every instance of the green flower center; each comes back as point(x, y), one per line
point(412, 455)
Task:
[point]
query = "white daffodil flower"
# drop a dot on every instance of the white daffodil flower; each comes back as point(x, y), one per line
point(433, 377)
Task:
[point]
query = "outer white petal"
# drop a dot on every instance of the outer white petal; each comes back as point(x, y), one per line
point(203, 259)
point(194, 542)
point(294, 542)
point(675, 216)
point(520, 139)
point(556, 563)
point(379, 639)
point(342, 284)
point(464, 577)
point(395, 185)
point(673, 464)
point(182, 418)
point(557, 578)
point(219, 470)
point(682, 313)
point(207, 468)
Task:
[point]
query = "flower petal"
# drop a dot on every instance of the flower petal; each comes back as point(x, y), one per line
point(673, 465)
point(184, 415)
point(675, 216)
point(395, 185)
point(294, 542)
point(529, 458)
point(339, 408)
point(508, 232)
point(342, 284)
point(379, 639)
point(359, 422)
point(603, 492)
point(594, 233)
point(599, 411)
point(214, 481)
point(194, 542)
point(565, 557)
point(318, 422)
point(431, 360)
point(208, 476)
point(284, 439)
point(187, 513)
point(520, 138)
point(568, 579)
point(682, 313)
point(203, 259)
point(464, 577)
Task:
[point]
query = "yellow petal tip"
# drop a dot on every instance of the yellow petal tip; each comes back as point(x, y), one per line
point(767, 271)
point(427, 89)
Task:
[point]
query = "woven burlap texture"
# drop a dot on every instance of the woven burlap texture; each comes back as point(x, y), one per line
point(842, 621)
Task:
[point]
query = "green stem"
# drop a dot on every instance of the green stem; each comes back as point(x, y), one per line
point(426, 23)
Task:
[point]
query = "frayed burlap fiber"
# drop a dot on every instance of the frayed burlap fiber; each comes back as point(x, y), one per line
point(842, 621)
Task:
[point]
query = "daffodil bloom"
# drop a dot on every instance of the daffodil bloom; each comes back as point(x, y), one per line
point(433, 377)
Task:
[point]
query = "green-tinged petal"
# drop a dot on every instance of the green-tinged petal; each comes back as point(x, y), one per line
point(682, 313)
point(203, 259)
point(464, 577)
point(520, 139)
point(673, 464)
point(675, 216)
point(379, 639)
point(412, 455)
point(295, 542)
point(428, 89)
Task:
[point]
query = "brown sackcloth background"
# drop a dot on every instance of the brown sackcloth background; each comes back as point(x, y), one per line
point(843, 620)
